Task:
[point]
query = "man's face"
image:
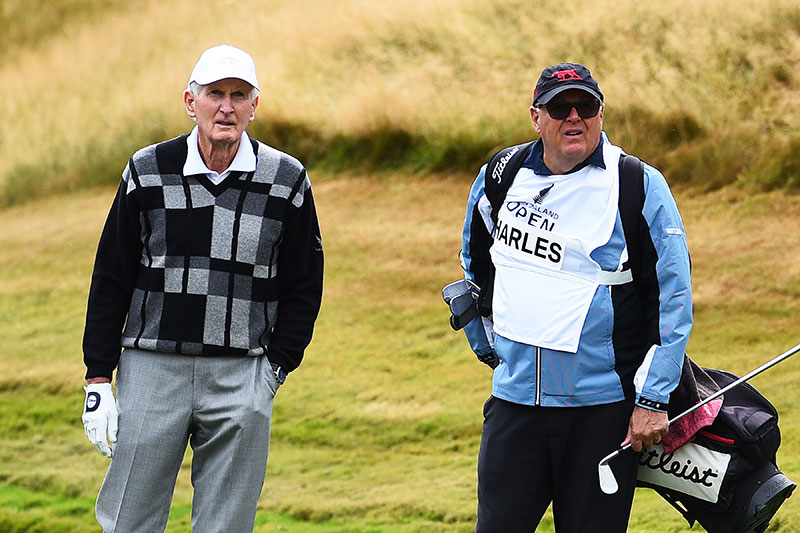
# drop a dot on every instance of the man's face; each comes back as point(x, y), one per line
point(223, 110)
point(570, 140)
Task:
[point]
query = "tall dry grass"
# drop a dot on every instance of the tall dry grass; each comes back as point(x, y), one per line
point(707, 90)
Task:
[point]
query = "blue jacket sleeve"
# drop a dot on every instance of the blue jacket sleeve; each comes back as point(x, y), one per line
point(660, 372)
point(476, 262)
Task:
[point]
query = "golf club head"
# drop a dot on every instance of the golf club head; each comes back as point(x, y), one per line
point(457, 288)
point(608, 483)
point(463, 309)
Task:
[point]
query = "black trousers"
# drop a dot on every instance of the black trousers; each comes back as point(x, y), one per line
point(532, 456)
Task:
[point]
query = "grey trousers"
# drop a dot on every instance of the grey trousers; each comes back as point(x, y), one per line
point(221, 406)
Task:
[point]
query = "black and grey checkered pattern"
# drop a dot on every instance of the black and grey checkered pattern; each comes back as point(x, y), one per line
point(209, 256)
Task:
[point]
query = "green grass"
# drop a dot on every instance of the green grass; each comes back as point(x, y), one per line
point(378, 430)
point(39, 512)
point(27, 511)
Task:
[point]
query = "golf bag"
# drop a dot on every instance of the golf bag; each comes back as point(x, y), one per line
point(726, 478)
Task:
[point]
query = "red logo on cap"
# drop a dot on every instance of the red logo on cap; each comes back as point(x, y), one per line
point(564, 75)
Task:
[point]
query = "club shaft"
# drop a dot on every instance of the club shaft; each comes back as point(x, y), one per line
point(785, 355)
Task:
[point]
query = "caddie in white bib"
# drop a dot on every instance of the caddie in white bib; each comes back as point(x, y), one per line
point(546, 231)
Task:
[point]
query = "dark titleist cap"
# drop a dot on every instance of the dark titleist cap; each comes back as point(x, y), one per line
point(561, 77)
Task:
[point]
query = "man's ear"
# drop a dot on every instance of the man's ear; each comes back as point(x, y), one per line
point(189, 101)
point(253, 111)
point(535, 118)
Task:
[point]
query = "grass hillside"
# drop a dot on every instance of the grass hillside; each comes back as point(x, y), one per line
point(707, 91)
point(378, 430)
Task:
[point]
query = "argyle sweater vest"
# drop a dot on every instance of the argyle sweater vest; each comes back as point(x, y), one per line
point(188, 267)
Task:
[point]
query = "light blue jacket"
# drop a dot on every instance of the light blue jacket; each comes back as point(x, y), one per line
point(626, 349)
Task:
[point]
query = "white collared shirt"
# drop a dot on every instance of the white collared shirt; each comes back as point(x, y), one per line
point(243, 161)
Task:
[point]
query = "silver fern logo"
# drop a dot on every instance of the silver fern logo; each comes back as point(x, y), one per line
point(540, 197)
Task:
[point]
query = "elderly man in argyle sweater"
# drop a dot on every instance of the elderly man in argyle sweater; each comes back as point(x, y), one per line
point(208, 275)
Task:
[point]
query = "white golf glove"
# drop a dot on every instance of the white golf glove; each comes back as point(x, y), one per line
point(100, 417)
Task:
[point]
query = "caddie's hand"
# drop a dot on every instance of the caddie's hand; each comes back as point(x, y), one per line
point(646, 428)
point(100, 417)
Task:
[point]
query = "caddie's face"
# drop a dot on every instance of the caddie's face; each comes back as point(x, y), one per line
point(223, 110)
point(567, 141)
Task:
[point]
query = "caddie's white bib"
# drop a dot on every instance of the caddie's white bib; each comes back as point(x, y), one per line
point(546, 230)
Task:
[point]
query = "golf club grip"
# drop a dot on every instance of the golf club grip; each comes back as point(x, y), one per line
point(615, 453)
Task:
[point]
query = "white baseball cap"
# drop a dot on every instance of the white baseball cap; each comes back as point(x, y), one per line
point(224, 61)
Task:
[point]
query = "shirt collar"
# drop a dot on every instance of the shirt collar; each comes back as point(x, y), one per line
point(243, 161)
point(535, 160)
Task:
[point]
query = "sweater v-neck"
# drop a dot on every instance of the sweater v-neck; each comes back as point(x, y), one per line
point(217, 189)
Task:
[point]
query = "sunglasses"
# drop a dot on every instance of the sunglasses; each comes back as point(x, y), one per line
point(561, 110)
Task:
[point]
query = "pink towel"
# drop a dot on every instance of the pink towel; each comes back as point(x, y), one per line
point(684, 428)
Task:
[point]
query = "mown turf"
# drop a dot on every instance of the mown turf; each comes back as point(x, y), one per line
point(378, 430)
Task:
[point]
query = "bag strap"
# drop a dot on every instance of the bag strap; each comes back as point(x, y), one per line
point(631, 202)
point(500, 173)
point(676, 503)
